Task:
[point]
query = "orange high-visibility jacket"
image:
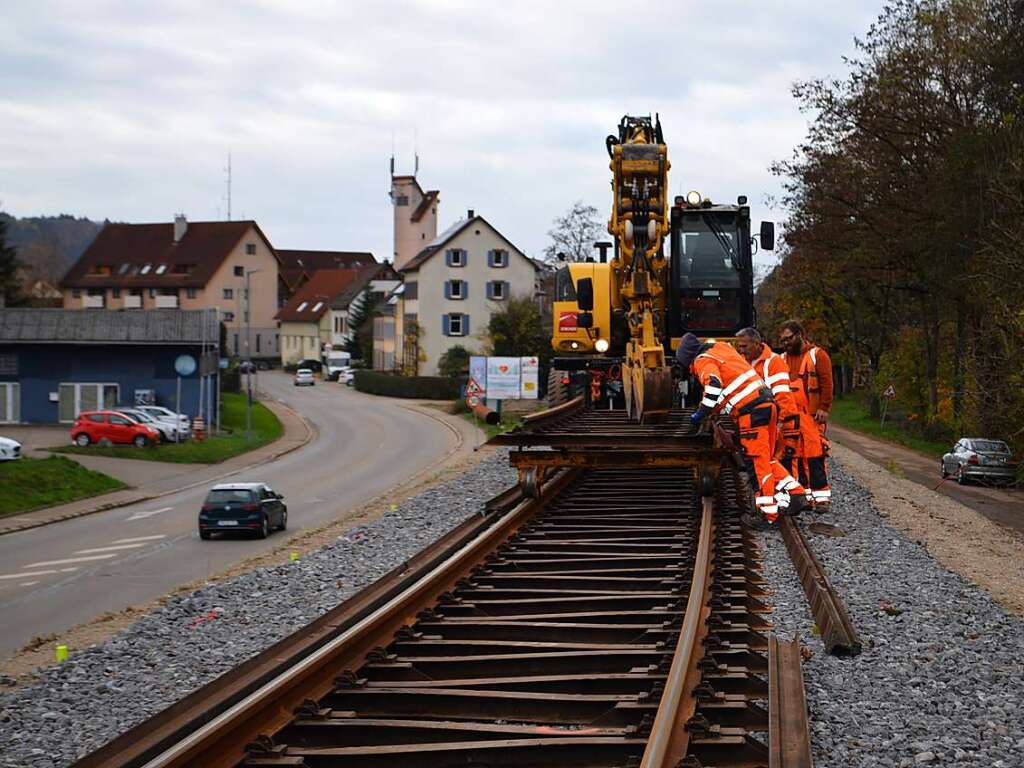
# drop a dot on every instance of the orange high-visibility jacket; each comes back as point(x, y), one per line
point(813, 369)
point(775, 373)
point(729, 381)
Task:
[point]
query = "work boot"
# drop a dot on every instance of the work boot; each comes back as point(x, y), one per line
point(822, 507)
point(755, 521)
point(797, 503)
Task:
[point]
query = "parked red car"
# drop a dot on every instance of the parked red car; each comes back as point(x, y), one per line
point(113, 427)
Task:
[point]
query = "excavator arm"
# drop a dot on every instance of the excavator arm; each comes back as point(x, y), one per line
point(639, 223)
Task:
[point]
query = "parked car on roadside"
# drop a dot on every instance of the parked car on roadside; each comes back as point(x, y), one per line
point(111, 427)
point(304, 378)
point(168, 431)
point(10, 450)
point(983, 459)
point(158, 412)
point(345, 375)
point(250, 508)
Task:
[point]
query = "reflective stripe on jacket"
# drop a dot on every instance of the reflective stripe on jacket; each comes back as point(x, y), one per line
point(728, 380)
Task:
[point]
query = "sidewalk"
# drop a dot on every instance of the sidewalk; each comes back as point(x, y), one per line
point(152, 479)
point(1000, 505)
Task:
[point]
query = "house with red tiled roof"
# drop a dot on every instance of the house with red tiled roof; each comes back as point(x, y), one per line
point(317, 315)
point(297, 267)
point(185, 265)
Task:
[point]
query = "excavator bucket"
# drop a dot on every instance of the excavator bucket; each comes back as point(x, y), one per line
point(648, 394)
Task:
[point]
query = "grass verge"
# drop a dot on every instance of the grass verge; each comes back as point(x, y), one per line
point(507, 424)
point(29, 484)
point(265, 429)
point(852, 412)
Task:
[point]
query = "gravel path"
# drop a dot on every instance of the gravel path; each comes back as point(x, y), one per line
point(106, 689)
point(940, 678)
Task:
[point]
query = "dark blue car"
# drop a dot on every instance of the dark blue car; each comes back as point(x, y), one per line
point(242, 508)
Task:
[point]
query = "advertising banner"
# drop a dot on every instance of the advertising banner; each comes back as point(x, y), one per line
point(529, 371)
point(503, 378)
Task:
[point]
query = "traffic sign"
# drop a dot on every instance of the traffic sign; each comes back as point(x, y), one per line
point(473, 401)
point(890, 392)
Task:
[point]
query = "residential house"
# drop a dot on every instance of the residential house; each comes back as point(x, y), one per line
point(184, 265)
point(318, 313)
point(297, 267)
point(55, 363)
point(452, 286)
point(415, 212)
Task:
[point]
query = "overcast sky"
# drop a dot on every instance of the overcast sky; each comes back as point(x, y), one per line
point(128, 110)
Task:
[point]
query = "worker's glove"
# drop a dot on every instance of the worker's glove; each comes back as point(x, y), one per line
point(696, 418)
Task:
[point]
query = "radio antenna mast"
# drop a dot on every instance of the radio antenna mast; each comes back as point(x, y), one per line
point(228, 172)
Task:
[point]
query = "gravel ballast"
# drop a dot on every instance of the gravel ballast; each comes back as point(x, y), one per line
point(106, 689)
point(940, 679)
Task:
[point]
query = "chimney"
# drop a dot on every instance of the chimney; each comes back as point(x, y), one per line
point(180, 226)
point(470, 213)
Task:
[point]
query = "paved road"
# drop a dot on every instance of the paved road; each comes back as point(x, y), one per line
point(63, 574)
point(1001, 505)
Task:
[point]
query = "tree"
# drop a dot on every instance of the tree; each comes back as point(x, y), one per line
point(454, 362)
point(517, 329)
point(359, 340)
point(575, 233)
point(10, 290)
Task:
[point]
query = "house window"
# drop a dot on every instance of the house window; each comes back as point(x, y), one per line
point(236, 345)
point(229, 317)
point(10, 402)
point(190, 293)
point(250, 249)
point(152, 293)
point(402, 200)
point(161, 269)
point(123, 270)
point(8, 365)
point(455, 257)
point(456, 289)
point(229, 293)
point(257, 342)
point(317, 306)
point(75, 398)
point(497, 258)
point(497, 289)
point(145, 269)
point(115, 293)
point(76, 293)
point(412, 291)
point(455, 324)
point(302, 306)
point(239, 271)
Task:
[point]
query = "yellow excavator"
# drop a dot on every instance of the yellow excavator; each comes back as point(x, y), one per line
point(619, 322)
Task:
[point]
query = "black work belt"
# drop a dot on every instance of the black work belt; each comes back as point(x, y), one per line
point(764, 397)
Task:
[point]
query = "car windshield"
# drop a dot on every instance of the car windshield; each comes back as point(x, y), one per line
point(229, 496)
point(304, 372)
point(989, 446)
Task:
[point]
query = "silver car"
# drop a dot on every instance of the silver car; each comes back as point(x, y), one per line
point(973, 458)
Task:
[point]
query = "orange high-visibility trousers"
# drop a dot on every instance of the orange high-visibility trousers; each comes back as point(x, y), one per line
point(757, 439)
point(808, 466)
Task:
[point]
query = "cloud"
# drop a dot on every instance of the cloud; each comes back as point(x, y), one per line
point(128, 110)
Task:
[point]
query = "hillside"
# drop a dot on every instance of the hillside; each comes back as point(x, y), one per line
point(49, 245)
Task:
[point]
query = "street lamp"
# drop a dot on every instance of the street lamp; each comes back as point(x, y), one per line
point(248, 356)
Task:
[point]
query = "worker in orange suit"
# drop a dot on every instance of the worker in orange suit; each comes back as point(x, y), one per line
point(773, 371)
point(810, 372)
point(731, 387)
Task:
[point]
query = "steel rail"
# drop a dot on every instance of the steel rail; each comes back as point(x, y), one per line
point(667, 743)
point(272, 704)
point(837, 630)
point(789, 738)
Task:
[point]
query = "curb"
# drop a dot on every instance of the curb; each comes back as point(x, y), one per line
point(311, 432)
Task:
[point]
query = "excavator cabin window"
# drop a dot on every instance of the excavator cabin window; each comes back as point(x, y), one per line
point(565, 290)
point(710, 287)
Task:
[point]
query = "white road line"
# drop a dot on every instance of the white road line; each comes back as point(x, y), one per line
point(28, 583)
point(148, 513)
point(26, 575)
point(69, 560)
point(141, 538)
point(109, 549)
point(72, 569)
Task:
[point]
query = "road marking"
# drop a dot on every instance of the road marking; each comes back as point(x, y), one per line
point(68, 560)
point(109, 549)
point(148, 513)
point(72, 569)
point(141, 538)
point(26, 575)
point(28, 583)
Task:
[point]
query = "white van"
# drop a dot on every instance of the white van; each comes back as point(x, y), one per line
point(335, 362)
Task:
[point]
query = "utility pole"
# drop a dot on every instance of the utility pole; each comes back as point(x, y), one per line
point(248, 355)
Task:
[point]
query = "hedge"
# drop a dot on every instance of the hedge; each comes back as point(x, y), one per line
point(392, 385)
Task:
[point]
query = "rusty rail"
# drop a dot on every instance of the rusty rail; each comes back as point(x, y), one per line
point(789, 737)
point(837, 630)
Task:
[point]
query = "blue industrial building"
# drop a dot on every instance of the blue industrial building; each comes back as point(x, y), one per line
point(55, 363)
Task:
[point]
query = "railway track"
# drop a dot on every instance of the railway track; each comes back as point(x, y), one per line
point(587, 627)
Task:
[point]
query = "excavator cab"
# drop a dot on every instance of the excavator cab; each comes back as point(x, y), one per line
point(711, 287)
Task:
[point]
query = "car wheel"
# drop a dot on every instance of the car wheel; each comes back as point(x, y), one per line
point(140, 441)
point(205, 535)
point(284, 520)
point(960, 475)
point(82, 439)
point(264, 530)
